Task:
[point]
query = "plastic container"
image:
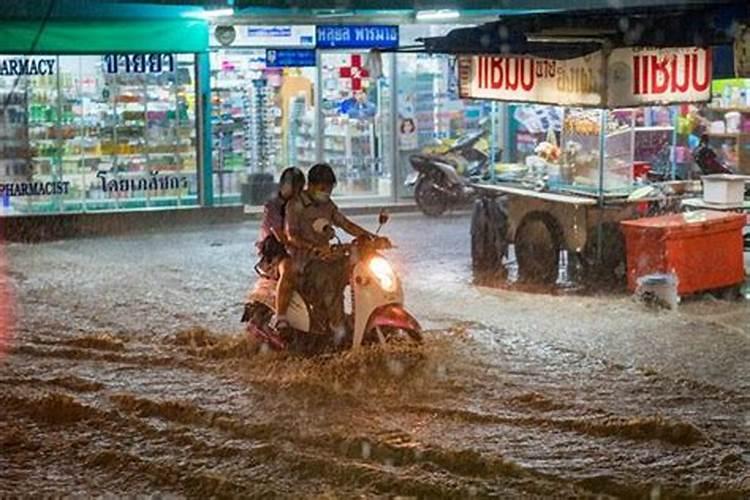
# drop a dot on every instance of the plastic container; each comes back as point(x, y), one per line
point(724, 189)
point(703, 249)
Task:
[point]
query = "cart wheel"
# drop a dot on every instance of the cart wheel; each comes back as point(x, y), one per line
point(612, 267)
point(538, 242)
point(430, 200)
point(489, 242)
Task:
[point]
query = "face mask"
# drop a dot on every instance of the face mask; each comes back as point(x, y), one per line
point(320, 196)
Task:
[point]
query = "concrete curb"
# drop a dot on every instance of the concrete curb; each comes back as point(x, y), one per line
point(38, 228)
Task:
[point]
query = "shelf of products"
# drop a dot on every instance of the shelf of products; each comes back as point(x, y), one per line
point(259, 118)
point(105, 136)
point(726, 122)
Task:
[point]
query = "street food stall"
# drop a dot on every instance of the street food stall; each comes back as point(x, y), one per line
point(583, 179)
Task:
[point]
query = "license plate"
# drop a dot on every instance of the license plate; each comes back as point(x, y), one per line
point(412, 179)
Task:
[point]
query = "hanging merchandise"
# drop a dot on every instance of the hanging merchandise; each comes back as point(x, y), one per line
point(260, 141)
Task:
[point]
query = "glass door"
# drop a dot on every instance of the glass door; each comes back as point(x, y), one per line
point(357, 123)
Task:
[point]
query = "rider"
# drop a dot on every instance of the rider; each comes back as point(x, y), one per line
point(272, 239)
point(309, 228)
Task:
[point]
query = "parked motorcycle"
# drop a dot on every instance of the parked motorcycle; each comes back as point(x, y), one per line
point(442, 180)
point(378, 313)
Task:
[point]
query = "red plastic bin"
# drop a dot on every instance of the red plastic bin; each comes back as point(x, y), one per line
point(704, 249)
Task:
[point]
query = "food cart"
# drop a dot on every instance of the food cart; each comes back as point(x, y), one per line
point(602, 67)
point(574, 192)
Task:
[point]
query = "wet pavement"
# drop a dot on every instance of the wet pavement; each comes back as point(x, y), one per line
point(128, 374)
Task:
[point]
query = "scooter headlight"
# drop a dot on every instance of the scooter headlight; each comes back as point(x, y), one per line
point(383, 272)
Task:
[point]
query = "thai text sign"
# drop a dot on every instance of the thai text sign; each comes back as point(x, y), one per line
point(357, 37)
point(642, 76)
point(138, 63)
point(574, 82)
point(635, 76)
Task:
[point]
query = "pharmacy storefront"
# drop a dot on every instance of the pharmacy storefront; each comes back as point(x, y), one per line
point(102, 116)
point(297, 95)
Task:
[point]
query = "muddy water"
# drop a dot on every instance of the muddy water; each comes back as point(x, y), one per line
point(194, 415)
point(108, 389)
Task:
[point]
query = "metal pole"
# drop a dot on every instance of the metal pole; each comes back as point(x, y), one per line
point(673, 148)
point(204, 173)
point(319, 107)
point(602, 165)
point(392, 136)
point(493, 140)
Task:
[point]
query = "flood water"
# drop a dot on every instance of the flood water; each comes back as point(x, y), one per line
point(128, 374)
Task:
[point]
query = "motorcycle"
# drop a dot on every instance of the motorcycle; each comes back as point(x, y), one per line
point(377, 315)
point(442, 180)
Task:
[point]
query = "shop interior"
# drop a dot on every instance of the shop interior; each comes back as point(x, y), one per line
point(128, 139)
point(102, 131)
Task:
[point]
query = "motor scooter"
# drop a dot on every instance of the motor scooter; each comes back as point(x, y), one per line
point(377, 315)
point(443, 180)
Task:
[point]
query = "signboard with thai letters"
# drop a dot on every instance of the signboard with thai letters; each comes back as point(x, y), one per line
point(634, 77)
point(572, 82)
point(643, 76)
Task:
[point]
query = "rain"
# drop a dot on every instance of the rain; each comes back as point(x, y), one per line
point(531, 309)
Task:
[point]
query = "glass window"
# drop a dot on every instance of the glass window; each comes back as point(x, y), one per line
point(431, 115)
point(357, 123)
point(263, 121)
point(30, 170)
point(100, 132)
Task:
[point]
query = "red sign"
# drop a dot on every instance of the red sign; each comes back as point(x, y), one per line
point(634, 77)
point(528, 79)
point(641, 76)
point(355, 71)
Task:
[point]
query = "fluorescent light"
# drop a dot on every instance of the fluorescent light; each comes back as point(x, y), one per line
point(214, 13)
point(437, 15)
point(333, 13)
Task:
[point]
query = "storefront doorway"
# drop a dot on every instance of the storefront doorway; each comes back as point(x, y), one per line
point(357, 122)
point(263, 119)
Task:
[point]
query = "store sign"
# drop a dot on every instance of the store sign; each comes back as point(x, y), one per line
point(635, 76)
point(290, 58)
point(34, 188)
point(642, 76)
point(268, 36)
point(742, 52)
point(573, 82)
point(22, 66)
point(357, 37)
point(152, 182)
point(139, 63)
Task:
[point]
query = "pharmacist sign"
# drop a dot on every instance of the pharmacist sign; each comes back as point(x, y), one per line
point(634, 76)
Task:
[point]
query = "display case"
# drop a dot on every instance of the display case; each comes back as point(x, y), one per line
point(263, 119)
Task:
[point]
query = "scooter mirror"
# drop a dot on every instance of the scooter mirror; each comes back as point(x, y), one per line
point(383, 217)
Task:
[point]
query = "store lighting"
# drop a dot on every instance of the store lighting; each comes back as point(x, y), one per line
point(323, 14)
point(437, 15)
point(214, 13)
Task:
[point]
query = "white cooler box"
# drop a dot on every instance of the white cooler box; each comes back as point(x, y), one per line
point(724, 189)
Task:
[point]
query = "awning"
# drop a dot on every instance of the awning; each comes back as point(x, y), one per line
point(103, 36)
point(569, 34)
